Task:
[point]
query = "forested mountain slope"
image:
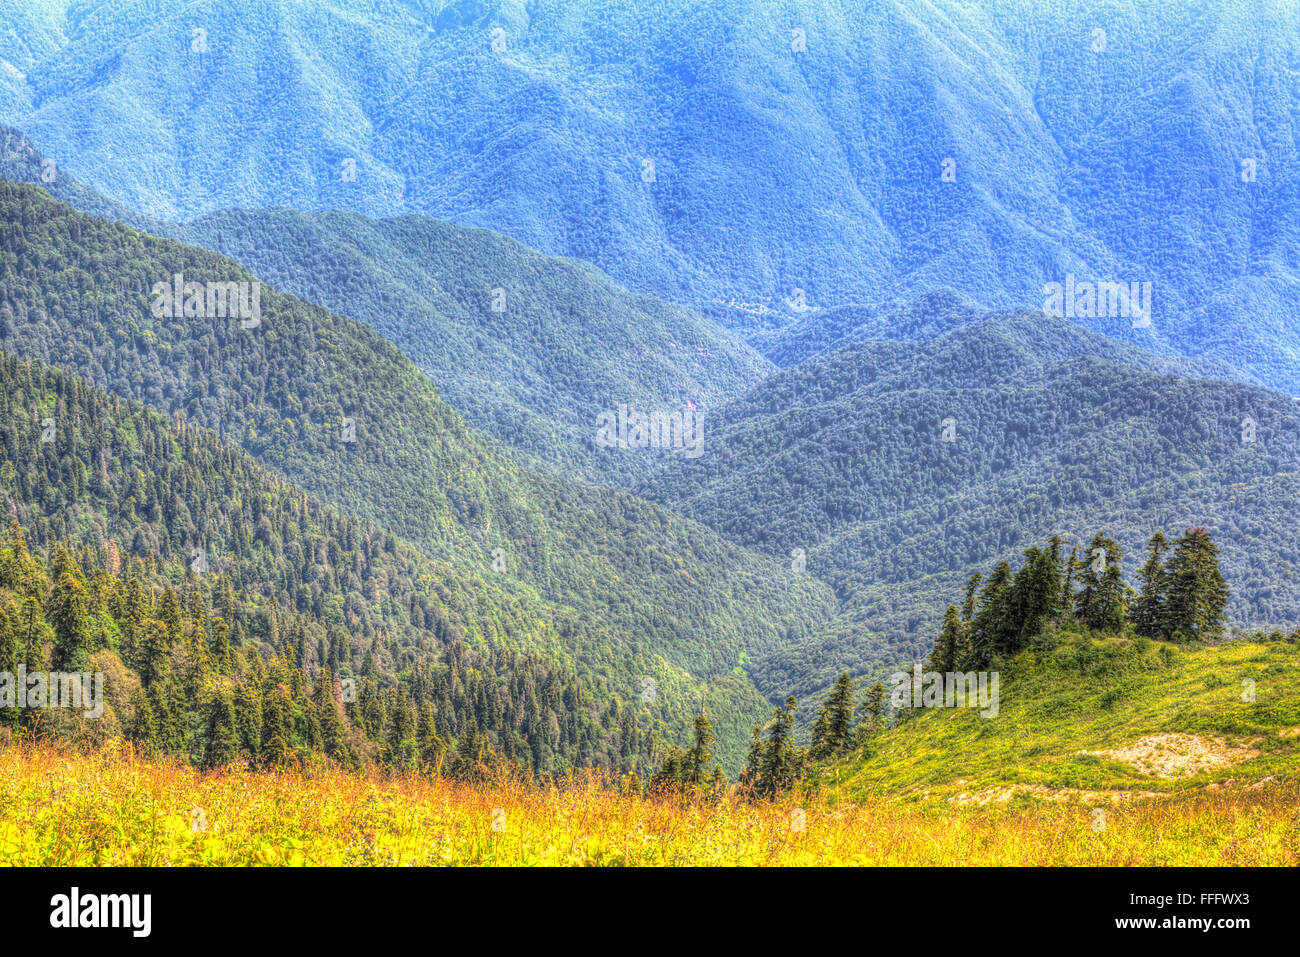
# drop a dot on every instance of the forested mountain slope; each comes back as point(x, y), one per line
point(529, 348)
point(894, 470)
point(745, 156)
point(226, 591)
point(76, 291)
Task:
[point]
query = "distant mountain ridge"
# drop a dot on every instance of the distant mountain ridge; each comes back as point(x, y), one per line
point(340, 412)
point(803, 153)
point(893, 470)
point(529, 348)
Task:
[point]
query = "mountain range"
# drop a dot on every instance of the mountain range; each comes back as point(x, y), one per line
point(78, 291)
point(893, 470)
point(753, 160)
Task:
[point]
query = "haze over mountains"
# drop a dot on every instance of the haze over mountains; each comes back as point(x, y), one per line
point(529, 348)
point(834, 457)
point(730, 153)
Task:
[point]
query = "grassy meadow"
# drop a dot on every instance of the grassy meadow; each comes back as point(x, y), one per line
point(1112, 752)
point(59, 808)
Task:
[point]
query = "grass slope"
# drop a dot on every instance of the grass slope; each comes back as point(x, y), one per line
point(1087, 695)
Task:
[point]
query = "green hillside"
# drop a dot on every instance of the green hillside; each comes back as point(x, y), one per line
point(530, 349)
point(76, 291)
point(1114, 718)
point(1052, 428)
point(820, 331)
point(209, 583)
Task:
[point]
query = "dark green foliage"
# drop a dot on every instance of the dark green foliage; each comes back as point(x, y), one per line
point(1183, 602)
point(1148, 610)
point(1195, 594)
point(780, 764)
point(843, 456)
point(625, 587)
point(833, 728)
point(950, 643)
point(872, 714)
point(1100, 604)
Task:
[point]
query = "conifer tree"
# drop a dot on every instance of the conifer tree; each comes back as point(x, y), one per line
point(952, 638)
point(277, 734)
point(1197, 595)
point(991, 621)
point(820, 749)
point(432, 747)
point(1100, 605)
point(1149, 610)
point(872, 712)
point(69, 614)
point(840, 704)
point(328, 712)
point(700, 757)
point(779, 769)
point(222, 736)
point(970, 603)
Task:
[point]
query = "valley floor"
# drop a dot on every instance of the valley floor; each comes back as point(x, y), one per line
point(61, 808)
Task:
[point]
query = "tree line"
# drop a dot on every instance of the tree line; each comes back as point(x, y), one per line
point(1181, 598)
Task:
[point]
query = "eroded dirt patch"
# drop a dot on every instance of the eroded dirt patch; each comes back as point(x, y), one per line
point(1178, 755)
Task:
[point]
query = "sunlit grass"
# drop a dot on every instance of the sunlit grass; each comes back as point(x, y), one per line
point(59, 808)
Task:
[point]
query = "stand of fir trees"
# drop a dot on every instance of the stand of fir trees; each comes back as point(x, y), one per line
point(1181, 597)
point(775, 764)
point(195, 669)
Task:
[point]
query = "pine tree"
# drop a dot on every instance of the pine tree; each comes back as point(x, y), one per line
point(1100, 605)
point(671, 775)
point(1197, 595)
point(1035, 597)
point(432, 747)
point(990, 622)
point(10, 658)
point(142, 729)
point(69, 614)
point(820, 749)
point(840, 703)
point(277, 734)
point(833, 730)
point(779, 769)
point(700, 757)
point(1149, 611)
point(970, 603)
point(872, 712)
point(952, 638)
point(329, 714)
point(222, 735)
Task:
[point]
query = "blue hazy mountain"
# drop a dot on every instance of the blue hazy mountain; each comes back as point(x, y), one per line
point(750, 158)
